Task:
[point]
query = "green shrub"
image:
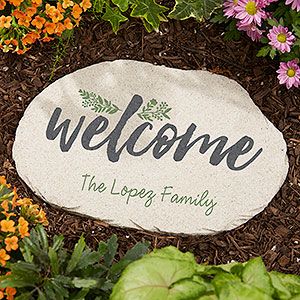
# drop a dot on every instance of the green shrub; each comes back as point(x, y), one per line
point(50, 272)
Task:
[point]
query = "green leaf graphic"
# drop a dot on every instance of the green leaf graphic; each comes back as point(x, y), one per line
point(155, 111)
point(97, 103)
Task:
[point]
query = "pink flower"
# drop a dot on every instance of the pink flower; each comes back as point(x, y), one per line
point(230, 8)
point(250, 11)
point(252, 31)
point(280, 38)
point(265, 3)
point(289, 74)
point(295, 4)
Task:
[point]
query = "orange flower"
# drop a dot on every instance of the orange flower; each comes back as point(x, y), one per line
point(16, 3)
point(76, 11)
point(2, 180)
point(24, 202)
point(67, 3)
point(85, 4)
point(7, 226)
point(50, 10)
point(38, 22)
point(10, 292)
point(23, 230)
point(5, 22)
point(22, 221)
point(3, 257)
point(37, 2)
point(1, 294)
point(49, 28)
point(18, 14)
point(57, 16)
point(30, 11)
point(2, 6)
point(25, 21)
point(21, 51)
point(59, 30)
point(30, 38)
point(47, 39)
point(11, 243)
point(60, 8)
point(68, 24)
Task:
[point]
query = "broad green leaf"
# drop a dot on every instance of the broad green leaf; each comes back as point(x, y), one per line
point(24, 296)
point(289, 281)
point(150, 11)
point(14, 281)
point(255, 274)
point(208, 297)
point(88, 283)
point(153, 276)
point(198, 9)
point(122, 4)
point(76, 255)
point(98, 6)
point(186, 289)
point(114, 17)
point(223, 279)
point(241, 291)
point(281, 291)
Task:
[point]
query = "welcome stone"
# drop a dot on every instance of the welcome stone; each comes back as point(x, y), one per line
point(140, 145)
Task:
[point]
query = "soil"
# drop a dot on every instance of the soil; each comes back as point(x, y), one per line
point(274, 234)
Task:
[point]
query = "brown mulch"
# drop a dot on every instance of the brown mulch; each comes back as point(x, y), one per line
point(274, 234)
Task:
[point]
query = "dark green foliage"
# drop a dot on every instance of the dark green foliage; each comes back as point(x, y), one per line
point(48, 271)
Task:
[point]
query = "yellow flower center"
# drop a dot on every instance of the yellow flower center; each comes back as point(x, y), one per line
point(291, 72)
point(281, 37)
point(251, 8)
point(235, 2)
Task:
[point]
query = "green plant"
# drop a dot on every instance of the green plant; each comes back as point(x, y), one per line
point(169, 274)
point(50, 272)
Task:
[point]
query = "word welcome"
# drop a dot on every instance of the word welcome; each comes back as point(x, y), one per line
point(161, 144)
point(147, 195)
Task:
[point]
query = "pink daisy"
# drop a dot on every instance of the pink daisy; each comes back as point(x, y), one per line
point(250, 11)
point(230, 8)
point(289, 74)
point(265, 3)
point(252, 31)
point(280, 38)
point(295, 4)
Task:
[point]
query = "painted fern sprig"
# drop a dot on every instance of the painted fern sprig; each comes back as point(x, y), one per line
point(97, 103)
point(155, 111)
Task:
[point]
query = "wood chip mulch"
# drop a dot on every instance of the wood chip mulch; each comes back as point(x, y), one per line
point(274, 234)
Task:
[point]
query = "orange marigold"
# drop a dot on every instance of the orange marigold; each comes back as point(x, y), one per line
point(30, 38)
point(37, 2)
point(50, 10)
point(86, 4)
point(68, 24)
point(57, 16)
point(24, 21)
point(16, 3)
point(23, 230)
point(59, 29)
point(7, 226)
point(76, 11)
point(38, 22)
point(3, 257)
point(5, 22)
point(2, 6)
point(60, 8)
point(11, 243)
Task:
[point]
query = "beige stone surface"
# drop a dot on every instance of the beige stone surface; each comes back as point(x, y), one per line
point(217, 105)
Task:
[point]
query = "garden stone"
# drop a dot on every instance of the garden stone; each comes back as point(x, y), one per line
point(145, 146)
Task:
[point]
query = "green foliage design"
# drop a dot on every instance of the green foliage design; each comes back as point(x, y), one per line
point(198, 9)
point(170, 274)
point(49, 272)
point(151, 12)
point(97, 103)
point(155, 111)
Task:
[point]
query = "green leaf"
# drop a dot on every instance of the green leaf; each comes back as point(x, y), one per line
point(76, 255)
point(273, 53)
point(122, 4)
point(98, 6)
point(255, 274)
point(88, 258)
point(264, 51)
point(88, 283)
point(198, 9)
point(14, 281)
point(53, 261)
point(272, 22)
point(112, 246)
point(24, 296)
point(58, 242)
point(153, 276)
point(137, 251)
point(114, 17)
point(223, 279)
point(150, 11)
point(80, 295)
point(41, 295)
point(291, 283)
